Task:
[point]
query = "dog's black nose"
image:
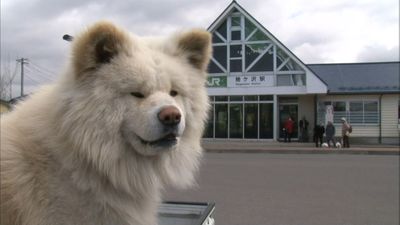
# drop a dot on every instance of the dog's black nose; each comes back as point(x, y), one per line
point(169, 116)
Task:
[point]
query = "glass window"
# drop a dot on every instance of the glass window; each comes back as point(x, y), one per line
point(266, 120)
point(250, 97)
point(253, 51)
point(289, 66)
point(236, 65)
point(299, 79)
point(249, 27)
point(371, 106)
point(284, 80)
point(222, 29)
point(216, 39)
point(339, 106)
point(356, 112)
point(235, 21)
point(221, 98)
point(213, 68)
point(236, 51)
point(221, 120)
point(258, 36)
point(236, 121)
point(236, 98)
point(251, 120)
point(209, 132)
point(339, 111)
point(219, 54)
point(266, 97)
point(371, 114)
point(211, 98)
point(236, 35)
point(266, 63)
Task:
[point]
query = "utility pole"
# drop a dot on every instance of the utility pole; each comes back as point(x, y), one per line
point(22, 61)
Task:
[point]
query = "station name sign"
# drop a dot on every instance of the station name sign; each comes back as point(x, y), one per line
point(240, 81)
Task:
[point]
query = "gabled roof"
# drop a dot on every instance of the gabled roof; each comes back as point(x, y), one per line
point(360, 78)
point(314, 83)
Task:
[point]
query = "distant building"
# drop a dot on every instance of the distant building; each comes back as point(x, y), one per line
point(256, 82)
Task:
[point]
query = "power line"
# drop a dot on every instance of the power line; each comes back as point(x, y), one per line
point(42, 68)
point(38, 73)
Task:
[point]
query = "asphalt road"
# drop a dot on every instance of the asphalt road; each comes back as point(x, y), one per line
point(290, 189)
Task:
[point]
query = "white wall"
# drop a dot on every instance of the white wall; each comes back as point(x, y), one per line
point(389, 115)
point(370, 130)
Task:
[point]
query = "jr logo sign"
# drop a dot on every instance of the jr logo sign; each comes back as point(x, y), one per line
point(219, 81)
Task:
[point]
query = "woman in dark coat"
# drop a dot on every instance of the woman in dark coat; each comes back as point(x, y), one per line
point(330, 134)
point(319, 131)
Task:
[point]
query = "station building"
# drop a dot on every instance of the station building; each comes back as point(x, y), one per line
point(255, 83)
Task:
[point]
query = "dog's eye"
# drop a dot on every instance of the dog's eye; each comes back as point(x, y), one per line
point(173, 93)
point(137, 94)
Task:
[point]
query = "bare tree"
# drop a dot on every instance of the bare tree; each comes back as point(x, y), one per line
point(6, 78)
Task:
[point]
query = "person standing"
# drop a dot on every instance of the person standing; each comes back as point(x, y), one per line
point(330, 134)
point(346, 130)
point(319, 131)
point(303, 124)
point(289, 124)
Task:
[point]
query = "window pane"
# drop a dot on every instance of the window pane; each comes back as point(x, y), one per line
point(219, 54)
point(371, 114)
point(236, 121)
point(236, 98)
point(266, 97)
point(236, 65)
point(284, 80)
point(339, 111)
point(236, 35)
point(258, 36)
point(210, 124)
point(339, 106)
point(253, 51)
point(213, 68)
point(222, 29)
point(221, 98)
point(221, 120)
point(371, 106)
point(266, 120)
point(216, 39)
point(266, 63)
point(251, 121)
point(299, 79)
point(235, 21)
point(236, 51)
point(251, 98)
point(356, 106)
point(249, 27)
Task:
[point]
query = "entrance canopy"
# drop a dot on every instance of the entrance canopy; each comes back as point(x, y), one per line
point(247, 59)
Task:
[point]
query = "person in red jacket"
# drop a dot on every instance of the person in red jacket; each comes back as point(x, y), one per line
point(289, 124)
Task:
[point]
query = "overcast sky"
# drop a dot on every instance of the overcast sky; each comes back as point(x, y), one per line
point(317, 31)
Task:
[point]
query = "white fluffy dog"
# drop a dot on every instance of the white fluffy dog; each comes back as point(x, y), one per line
point(96, 147)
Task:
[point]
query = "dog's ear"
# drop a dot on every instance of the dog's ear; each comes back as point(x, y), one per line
point(195, 45)
point(98, 45)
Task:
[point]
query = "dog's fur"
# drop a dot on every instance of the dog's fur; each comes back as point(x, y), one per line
point(81, 151)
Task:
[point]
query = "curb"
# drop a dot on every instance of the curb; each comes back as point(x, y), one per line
point(305, 151)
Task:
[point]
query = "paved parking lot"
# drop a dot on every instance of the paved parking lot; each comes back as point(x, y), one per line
point(293, 189)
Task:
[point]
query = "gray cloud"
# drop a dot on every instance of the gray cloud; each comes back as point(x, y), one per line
point(317, 31)
point(377, 53)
